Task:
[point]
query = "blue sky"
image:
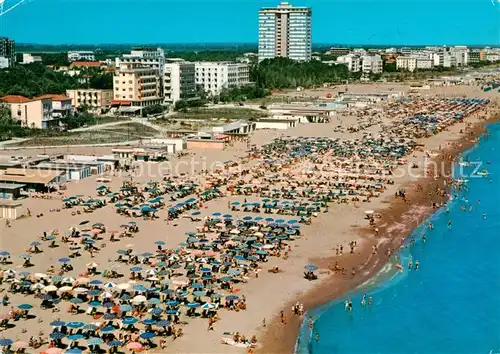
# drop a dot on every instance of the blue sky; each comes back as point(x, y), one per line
point(410, 22)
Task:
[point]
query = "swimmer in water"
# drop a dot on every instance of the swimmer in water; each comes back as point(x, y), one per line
point(424, 238)
point(417, 265)
point(449, 223)
point(470, 207)
point(363, 300)
point(410, 264)
point(484, 216)
point(316, 336)
point(370, 300)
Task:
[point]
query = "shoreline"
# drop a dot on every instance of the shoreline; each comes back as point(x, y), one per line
point(398, 218)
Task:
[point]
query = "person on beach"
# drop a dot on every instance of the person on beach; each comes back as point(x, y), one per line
point(282, 317)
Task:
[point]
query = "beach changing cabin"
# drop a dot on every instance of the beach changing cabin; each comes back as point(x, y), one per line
point(11, 210)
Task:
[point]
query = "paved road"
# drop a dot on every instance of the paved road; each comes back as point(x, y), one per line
point(99, 126)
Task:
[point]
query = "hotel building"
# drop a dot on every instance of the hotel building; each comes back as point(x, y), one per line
point(178, 81)
point(213, 77)
point(136, 85)
point(285, 31)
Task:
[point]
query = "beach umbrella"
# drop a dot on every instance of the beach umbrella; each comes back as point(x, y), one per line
point(26, 256)
point(107, 329)
point(208, 306)
point(109, 285)
point(115, 343)
point(147, 335)
point(35, 244)
point(193, 304)
point(125, 308)
point(57, 323)
point(310, 267)
point(84, 222)
point(4, 254)
point(163, 323)
point(172, 312)
point(64, 260)
point(139, 299)
point(159, 242)
point(140, 288)
point(154, 301)
point(95, 341)
point(148, 321)
point(232, 298)
point(75, 324)
point(75, 337)
point(89, 327)
point(73, 351)
point(135, 269)
point(4, 342)
point(109, 316)
point(95, 303)
point(156, 311)
point(199, 293)
point(172, 303)
point(57, 335)
point(129, 320)
point(25, 307)
point(50, 288)
point(134, 346)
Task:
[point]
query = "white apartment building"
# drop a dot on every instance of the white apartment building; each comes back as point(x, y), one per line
point(372, 64)
point(461, 55)
point(352, 61)
point(213, 77)
point(136, 85)
point(179, 81)
point(406, 63)
point(151, 57)
point(285, 31)
point(81, 55)
point(28, 58)
point(424, 63)
point(444, 59)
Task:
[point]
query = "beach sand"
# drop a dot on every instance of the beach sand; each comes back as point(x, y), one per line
point(269, 293)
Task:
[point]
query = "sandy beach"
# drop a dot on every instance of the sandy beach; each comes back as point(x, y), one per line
point(269, 293)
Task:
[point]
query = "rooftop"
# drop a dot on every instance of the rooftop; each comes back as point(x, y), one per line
point(14, 99)
point(55, 97)
point(10, 186)
point(22, 175)
point(86, 63)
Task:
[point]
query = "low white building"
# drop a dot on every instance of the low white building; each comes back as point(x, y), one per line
point(352, 61)
point(213, 77)
point(81, 55)
point(276, 123)
point(28, 58)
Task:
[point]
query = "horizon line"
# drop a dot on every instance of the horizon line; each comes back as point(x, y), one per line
point(254, 44)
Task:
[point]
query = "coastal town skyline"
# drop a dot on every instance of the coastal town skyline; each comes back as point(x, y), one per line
point(394, 25)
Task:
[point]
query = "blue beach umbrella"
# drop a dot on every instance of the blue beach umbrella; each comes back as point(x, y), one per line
point(125, 308)
point(108, 329)
point(75, 324)
point(75, 337)
point(57, 335)
point(25, 307)
point(76, 300)
point(95, 341)
point(129, 320)
point(4, 342)
point(115, 343)
point(156, 311)
point(310, 267)
point(57, 323)
point(147, 335)
point(148, 321)
point(73, 351)
point(95, 303)
point(160, 242)
point(163, 323)
point(193, 305)
point(64, 260)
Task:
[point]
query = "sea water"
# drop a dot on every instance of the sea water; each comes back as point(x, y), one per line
point(452, 303)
